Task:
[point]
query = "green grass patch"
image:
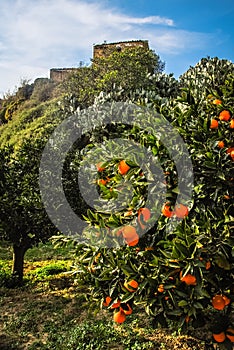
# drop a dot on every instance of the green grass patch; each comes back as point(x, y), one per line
point(90, 335)
point(50, 269)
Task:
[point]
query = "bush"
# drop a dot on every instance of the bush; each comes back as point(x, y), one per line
point(211, 75)
point(51, 269)
point(180, 272)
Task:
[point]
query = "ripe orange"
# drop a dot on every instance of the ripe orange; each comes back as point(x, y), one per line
point(145, 212)
point(220, 337)
point(166, 210)
point(221, 144)
point(119, 317)
point(161, 288)
point(230, 149)
point(131, 242)
point(214, 124)
point(188, 279)
point(218, 302)
point(99, 167)
point(130, 235)
point(181, 211)
point(208, 265)
point(123, 167)
point(230, 334)
point(232, 154)
point(131, 286)
point(232, 124)
point(224, 115)
point(129, 231)
point(107, 301)
point(102, 182)
point(217, 102)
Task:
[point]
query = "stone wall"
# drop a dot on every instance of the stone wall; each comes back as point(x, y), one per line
point(59, 74)
point(106, 48)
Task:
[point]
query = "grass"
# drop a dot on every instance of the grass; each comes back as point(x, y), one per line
point(52, 312)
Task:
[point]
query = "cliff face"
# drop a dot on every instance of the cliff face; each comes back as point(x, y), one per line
point(100, 50)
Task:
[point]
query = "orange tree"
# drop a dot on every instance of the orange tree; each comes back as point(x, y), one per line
point(23, 220)
point(182, 274)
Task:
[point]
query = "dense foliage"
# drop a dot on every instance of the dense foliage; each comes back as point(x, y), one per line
point(173, 258)
point(182, 276)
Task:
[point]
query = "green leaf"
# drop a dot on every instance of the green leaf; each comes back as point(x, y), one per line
point(182, 303)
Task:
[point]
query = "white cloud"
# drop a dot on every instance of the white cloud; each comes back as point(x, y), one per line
point(178, 41)
point(145, 20)
point(38, 35)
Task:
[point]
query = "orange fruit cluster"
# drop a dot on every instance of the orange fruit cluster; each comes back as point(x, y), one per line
point(180, 210)
point(119, 315)
point(224, 116)
point(221, 337)
point(219, 301)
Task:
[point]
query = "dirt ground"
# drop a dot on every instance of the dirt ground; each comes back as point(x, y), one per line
point(26, 312)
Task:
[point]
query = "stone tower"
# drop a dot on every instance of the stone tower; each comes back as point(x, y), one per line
point(100, 50)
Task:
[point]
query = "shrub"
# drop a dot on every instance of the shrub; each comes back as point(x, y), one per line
point(50, 270)
point(179, 271)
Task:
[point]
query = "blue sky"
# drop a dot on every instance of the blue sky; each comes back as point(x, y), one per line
point(38, 35)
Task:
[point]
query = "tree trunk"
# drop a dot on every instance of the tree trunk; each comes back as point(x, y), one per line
point(18, 262)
